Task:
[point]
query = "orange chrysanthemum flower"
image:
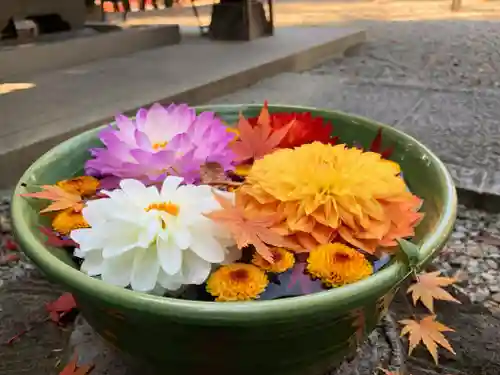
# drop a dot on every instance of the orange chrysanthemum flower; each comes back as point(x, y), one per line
point(237, 282)
point(323, 192)
point(283, 260)
point(337, 264)
point(66, 221)
point(85, 186)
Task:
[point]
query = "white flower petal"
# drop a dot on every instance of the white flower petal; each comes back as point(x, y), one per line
point(132, 188)
point(169, 255)
point(149, 232)
point(93, 263)
point(120, 237)
point(182, 237)
point(145, 269)
point(87, 239)
point(208, 248)
point(169, 282)
point(194, 269)
point(118, 270)
point(169, 186)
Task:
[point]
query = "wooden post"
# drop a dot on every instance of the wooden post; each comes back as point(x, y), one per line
point(456, 5)
point(241, 20)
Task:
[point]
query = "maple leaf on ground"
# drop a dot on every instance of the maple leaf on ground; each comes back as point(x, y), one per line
point(428, 288)
point(54, 240)
point(257, 141)
point(427, 330)
point(72, 368)
point(248, 231)
point(61, 307)
point(60, 198)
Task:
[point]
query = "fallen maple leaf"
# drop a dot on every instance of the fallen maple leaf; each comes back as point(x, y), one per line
point(248, 231)
point(54, 240)
point(72, 369)
point(427, 330)
point(427, 288)
point(61, 307)
point(60, 198)
point(257, 141)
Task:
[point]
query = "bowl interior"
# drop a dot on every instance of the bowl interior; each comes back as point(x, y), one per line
point(425, 175)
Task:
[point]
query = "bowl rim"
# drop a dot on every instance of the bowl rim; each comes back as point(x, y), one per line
point(348, 296)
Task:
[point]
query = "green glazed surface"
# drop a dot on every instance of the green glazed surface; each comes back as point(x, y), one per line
point(294, 336)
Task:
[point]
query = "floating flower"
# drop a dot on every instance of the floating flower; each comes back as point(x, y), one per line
point(306, 128)
point(140, 236)
point(65, 221)
point(237, 282)
point(283, 260)
point(86, 186)
point(337, 264)
point(162, 141)
point(323, 191)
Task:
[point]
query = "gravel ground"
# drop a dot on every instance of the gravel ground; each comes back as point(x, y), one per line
point(473, 256)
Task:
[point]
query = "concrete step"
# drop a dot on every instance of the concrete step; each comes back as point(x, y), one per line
point(51, 107)
point(95, 42)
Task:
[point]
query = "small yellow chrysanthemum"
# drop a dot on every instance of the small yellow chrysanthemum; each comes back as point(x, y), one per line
point(84, 185)
point(237, 282)
point(337, 264)
point(66, 221)
point(283, 261)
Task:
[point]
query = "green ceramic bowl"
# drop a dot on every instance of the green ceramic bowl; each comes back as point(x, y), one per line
point(301, 335)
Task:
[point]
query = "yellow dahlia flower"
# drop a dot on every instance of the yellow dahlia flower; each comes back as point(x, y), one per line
point(324, 191)
point(337, 264)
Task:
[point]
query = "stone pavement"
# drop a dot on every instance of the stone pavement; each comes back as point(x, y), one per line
point(436, 80)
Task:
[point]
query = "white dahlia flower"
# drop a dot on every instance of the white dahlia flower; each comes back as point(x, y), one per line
point(143, 237)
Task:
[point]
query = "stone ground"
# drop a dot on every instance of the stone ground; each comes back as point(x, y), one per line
point(437, 80)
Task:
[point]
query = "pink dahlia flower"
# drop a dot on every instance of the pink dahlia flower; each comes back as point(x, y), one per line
point(160, 141)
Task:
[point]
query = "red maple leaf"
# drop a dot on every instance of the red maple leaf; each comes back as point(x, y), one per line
point(376, 146)
point(54, 240)
point(61, 307)
point(306, 128)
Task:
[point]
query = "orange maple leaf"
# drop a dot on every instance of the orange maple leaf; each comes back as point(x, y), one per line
point(72, 369)
point(249, 231)
point(427, 288)
point(61, 199)
point(254, 142)
point(427, 330)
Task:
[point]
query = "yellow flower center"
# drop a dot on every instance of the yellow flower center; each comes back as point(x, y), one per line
point(239, 275)
point(159, 146)
point(168, 207)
